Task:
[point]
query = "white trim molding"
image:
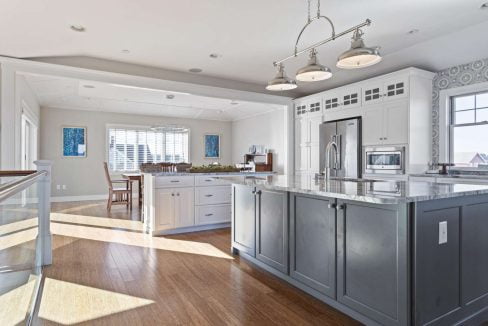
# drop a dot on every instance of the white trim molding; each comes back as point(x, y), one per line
point(444, 114)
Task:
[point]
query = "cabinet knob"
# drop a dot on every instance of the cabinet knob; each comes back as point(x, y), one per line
point(172, 195)
point(177, 194)
point(259, 192)
point(332, 205)
point(342, 206)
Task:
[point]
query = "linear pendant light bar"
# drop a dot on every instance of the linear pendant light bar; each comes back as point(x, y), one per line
point(358, 56)
point(367, 22)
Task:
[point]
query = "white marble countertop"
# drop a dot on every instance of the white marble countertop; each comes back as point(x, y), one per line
point(378, 192)
point(173, 174)
point(454, 176)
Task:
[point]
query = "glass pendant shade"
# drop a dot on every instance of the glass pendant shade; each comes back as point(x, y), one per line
point(281, 82)
point(358, 56)
point(313, 71)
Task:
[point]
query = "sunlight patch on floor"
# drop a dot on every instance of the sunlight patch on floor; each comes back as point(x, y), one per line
point(97, 221)
point(69, 303)
point(15, 304)
point(137, 239)
point(17, 238)
point(16, 226)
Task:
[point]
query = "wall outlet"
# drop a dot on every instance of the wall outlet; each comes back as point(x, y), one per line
point(443, 232)
point(64, 187)
point(58, 187)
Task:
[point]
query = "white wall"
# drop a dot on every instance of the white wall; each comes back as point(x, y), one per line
point(85, 176)
point(265, 129)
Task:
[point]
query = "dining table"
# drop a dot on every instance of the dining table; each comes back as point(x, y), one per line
point(135, 176)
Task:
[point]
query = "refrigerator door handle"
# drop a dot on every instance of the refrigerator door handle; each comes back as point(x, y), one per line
point(338, 153)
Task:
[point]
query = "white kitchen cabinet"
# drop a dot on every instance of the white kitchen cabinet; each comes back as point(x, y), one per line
point(307, 144)
point(164, 209)
point(386, 124)
point(396, 109)
point(184, 207)
point(373, 120)
point(213, 195)
point(174, 208)
point(386, 90)
point(396, 122)
point(212, 214)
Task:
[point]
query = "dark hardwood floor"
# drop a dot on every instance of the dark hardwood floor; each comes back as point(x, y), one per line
point(107, 272)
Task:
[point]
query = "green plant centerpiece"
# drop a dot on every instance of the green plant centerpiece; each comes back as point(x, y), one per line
point(213, 169)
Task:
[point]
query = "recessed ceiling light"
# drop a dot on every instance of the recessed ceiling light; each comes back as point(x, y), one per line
point(170, 96)
point(77, 28)
point(88, 86)
point(413, 31)
point(125, 51)
point(484, 6)
point(195, 70)
point(215, 55)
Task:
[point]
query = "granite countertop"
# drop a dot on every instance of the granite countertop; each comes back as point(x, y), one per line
point(378, 192)
point(173, 174)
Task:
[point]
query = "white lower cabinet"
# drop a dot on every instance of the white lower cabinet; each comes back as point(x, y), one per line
point(174, 208)
point(186, 201)
point(211, 214)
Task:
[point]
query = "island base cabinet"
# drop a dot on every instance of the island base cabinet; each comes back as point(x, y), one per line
point(272, 229)
point(313, 242)
point(244, 219)
point(372, 261)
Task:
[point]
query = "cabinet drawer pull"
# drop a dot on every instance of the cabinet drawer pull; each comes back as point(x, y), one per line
point(175, 181)
point(208, 195)
point(208, 180)
point(210, 214)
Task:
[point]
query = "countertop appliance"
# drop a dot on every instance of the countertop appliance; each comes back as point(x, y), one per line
point(342, 140)
point(384, 159)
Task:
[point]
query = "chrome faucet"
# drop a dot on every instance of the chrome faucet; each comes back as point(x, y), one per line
point(328, 165)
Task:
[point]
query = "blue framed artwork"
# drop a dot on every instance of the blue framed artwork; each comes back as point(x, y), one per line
point(212, 145)
point(74, 141)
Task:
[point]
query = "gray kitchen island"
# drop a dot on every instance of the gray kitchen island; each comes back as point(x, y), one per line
point(387, 253)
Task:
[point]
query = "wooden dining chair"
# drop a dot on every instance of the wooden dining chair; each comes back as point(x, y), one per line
point(120, 195)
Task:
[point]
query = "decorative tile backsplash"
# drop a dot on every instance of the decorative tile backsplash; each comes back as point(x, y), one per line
point(462, 75)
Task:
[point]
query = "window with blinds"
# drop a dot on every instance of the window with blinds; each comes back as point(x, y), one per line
point(129, 147)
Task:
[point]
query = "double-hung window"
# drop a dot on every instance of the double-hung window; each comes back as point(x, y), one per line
point(469, 130)
point(128, 147)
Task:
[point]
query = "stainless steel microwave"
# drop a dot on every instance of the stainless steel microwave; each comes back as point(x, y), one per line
point(386, 160)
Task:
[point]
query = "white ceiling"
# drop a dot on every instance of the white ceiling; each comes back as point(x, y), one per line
point(74, 94)
point(250, 35)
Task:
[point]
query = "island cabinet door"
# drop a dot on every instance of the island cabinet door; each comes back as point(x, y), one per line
point(244, 219)
point(372, 261)
point(165, 208)
point(272, 229)
point(313, 242)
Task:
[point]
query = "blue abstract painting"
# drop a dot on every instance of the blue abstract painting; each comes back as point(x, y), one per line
point(212, 146)
point(74, 141)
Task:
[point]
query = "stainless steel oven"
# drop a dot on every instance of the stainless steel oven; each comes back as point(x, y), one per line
point(385, 160)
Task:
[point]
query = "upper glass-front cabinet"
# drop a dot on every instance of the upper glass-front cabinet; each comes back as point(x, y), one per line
point(390, 89)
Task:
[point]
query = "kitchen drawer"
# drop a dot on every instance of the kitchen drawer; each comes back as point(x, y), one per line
point(213, 214)
point(176, 181)
point(208, 180)
point(213, 195)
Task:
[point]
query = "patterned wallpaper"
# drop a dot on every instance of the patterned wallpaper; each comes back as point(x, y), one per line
point(466, 74)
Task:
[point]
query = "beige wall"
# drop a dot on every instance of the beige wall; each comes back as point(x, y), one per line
point(265, 129)
point(84, 176)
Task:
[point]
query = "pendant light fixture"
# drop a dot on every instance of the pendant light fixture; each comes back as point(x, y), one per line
point(358, 56)
point(281, 82)
point(313, 71)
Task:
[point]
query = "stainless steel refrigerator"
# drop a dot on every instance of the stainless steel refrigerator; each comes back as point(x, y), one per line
point(347, 136)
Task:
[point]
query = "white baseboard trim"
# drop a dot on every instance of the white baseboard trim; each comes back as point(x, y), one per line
point(60, 199)
point(194, 228)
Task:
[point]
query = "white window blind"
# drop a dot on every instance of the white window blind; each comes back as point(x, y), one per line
point(129, 147)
